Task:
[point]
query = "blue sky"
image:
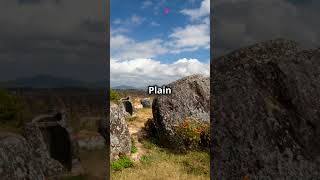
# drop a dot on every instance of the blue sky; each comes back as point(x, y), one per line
point(149, 46)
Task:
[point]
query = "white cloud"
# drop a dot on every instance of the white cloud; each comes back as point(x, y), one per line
point(118, 30)
point(191, 36)
point(136, 19)
point(155, 24)
point(124, 48)
point(118, 41)
point(146, 4)
point(117, 21)
point(143, 72)
point(133, 20)
point(194, 14)
point(132, 62)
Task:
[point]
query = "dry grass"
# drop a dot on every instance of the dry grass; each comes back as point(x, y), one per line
point(141, 116)
point(157, 163)
point(160, 164)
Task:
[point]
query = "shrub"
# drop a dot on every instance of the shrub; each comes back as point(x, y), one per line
point(114, 96)
point(121, 163)
point(194, 133)
point(205, 137)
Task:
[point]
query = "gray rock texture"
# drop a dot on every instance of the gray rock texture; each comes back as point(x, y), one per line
point(189, 99)
point(16, 159)
point(146, 102)
point(120, 140)
point(266, 113)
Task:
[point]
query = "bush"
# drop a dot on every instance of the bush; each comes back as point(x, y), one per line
point(194, 133)
point(114, 96)
point(121, 163)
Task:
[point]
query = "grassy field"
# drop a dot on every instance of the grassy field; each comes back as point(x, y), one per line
point(157, 163)
point(161, 164)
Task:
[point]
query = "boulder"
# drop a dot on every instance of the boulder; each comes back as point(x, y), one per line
point(266, 113)
point(146, 103)
point(16, 159)
point(188, 104)
point(120, 140)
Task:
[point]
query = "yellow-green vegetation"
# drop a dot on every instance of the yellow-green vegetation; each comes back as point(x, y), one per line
point(114, 96)
point(194, 133)
point(134, 148)
point(131, 118)
point(121, 163)
point(12, 112)
point(162, 164)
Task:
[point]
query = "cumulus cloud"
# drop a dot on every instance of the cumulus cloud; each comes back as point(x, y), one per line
point(193, 36)
point(194, 14)
point(123, 47)
point(142, 72)
point(133, 62)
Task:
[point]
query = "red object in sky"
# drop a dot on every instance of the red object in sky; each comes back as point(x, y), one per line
point(166, 10)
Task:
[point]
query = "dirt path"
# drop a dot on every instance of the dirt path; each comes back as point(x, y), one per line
point(135, 128)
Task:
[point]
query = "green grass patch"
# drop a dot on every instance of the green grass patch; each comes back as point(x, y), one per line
point(122, 163)
point(146, 159)
point(134, 148)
